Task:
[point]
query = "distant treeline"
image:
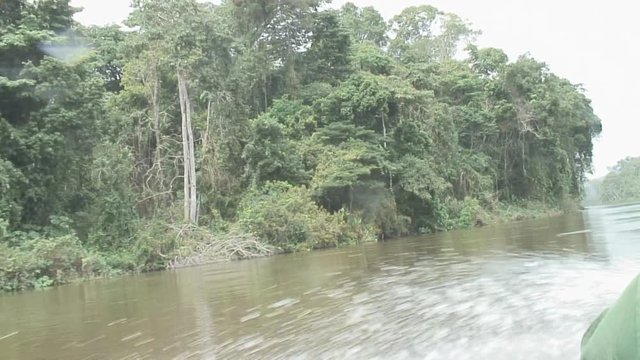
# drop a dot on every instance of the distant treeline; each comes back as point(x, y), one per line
point(620, 185)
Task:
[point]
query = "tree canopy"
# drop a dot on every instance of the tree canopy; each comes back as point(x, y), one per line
point(622, 183)
point(269, 114)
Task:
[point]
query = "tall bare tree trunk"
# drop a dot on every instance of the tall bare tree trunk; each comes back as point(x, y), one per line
point(155, 108)
point(185, 148)
point(193, 204)
point(188, 150)
point(154, 95)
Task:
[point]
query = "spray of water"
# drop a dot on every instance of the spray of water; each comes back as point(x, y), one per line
point(68, 47)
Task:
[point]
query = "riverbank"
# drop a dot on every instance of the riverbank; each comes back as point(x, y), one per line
point(44, 261)
point(450, 295)
point(505, 212)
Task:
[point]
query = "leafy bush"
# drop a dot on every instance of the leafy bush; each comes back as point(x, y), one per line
point(286, 216)
point(456, 214)
point(111, 219)
point(41, 262)
point(153, 246)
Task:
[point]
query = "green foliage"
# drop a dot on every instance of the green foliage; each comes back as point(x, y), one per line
point(47, 117)
point(344, 166)
point(455, 214)
point(520, 210)
point(327, 59)
point(311, 128)
point(424, 33)
point(488, 61)
point(107, 60)
point(365, 25)
point(270, 156)
point(110, 221)
point(287, 217)
point(622, 183)
point(40, 261)
point(154, 243)
point(11, 185)
point(372, 59)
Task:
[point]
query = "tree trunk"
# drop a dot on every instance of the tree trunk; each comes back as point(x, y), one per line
point(193, 204)
point(206, 136)
point(188, 150)
point(185, 151)
point(384, 131)
point(156, 86)
point(155, 108)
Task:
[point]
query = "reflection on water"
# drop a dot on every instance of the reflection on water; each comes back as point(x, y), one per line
point(500, 292)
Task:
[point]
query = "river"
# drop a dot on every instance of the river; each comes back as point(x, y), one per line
point(525, 290)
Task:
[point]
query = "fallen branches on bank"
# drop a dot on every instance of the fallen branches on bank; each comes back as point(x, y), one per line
point(199, 246)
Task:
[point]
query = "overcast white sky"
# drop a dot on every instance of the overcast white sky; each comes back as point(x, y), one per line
point(587, 42)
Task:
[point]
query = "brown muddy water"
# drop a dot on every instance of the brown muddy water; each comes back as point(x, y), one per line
point(524, 290)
